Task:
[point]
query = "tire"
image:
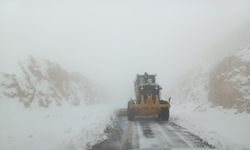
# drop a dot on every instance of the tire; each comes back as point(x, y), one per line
point(164, 114)
point(131, 115)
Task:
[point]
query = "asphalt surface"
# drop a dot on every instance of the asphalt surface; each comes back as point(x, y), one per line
point(149, 134)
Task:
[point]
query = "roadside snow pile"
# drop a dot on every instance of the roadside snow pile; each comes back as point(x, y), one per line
point(54, 128)
point(221, 128)
point(213, 102)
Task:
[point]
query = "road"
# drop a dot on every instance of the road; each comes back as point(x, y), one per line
point(148, 134)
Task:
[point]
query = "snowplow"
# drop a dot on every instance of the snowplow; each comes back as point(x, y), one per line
point(147, 100)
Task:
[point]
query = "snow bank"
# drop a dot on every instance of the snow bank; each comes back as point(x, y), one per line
point(66, 127)
point(225, 129)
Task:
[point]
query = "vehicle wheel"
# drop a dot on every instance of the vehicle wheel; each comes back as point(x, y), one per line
point(164, 114)
point(131, 114)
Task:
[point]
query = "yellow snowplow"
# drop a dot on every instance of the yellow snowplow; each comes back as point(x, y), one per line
point(147, 102)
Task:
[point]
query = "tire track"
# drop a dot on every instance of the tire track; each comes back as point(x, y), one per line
point(130, 139)
point(148, 135)
point(178, 141)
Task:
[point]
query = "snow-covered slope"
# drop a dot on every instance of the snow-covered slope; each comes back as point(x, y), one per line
point(213, 101)
point(225, 83)
point(193, 87)
point(229, 81)
point(45, 107)
point(67, 127)
point(43, 82)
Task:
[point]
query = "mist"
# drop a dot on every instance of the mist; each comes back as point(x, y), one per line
point(111, 41)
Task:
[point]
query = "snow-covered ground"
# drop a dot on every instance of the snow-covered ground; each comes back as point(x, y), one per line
point(63, 128)
point(225, 129)
point(43, 106)
point(213, 102)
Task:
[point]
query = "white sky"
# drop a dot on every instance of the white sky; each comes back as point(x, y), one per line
point(110, 41)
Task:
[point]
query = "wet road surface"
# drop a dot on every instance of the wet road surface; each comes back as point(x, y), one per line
point(149, 134)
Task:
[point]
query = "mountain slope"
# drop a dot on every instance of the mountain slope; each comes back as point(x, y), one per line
point(225, 83)
point(41, 86)
point(43, 82)
point(213, 102)
point(229, 81)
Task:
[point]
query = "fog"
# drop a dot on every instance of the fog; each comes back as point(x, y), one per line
point(113, 40)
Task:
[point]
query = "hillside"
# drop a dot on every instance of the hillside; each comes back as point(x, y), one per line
point(43, 106)
point(224, 83)
point(229, 81)
point(213, 101)
point(44, 83)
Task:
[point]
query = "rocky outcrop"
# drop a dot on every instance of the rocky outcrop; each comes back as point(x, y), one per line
point(225, 83)
point(229, 81)
point(44, 83)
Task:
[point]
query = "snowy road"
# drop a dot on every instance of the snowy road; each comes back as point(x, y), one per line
point(150, 134)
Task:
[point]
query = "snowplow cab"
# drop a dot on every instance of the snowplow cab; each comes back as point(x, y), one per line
point(147, 102)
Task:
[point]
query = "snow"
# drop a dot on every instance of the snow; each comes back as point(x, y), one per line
point(69, 127)
point(225, 129)
point(244, 54)
point(42, 82)
point(53, 128)
point(193, 109)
